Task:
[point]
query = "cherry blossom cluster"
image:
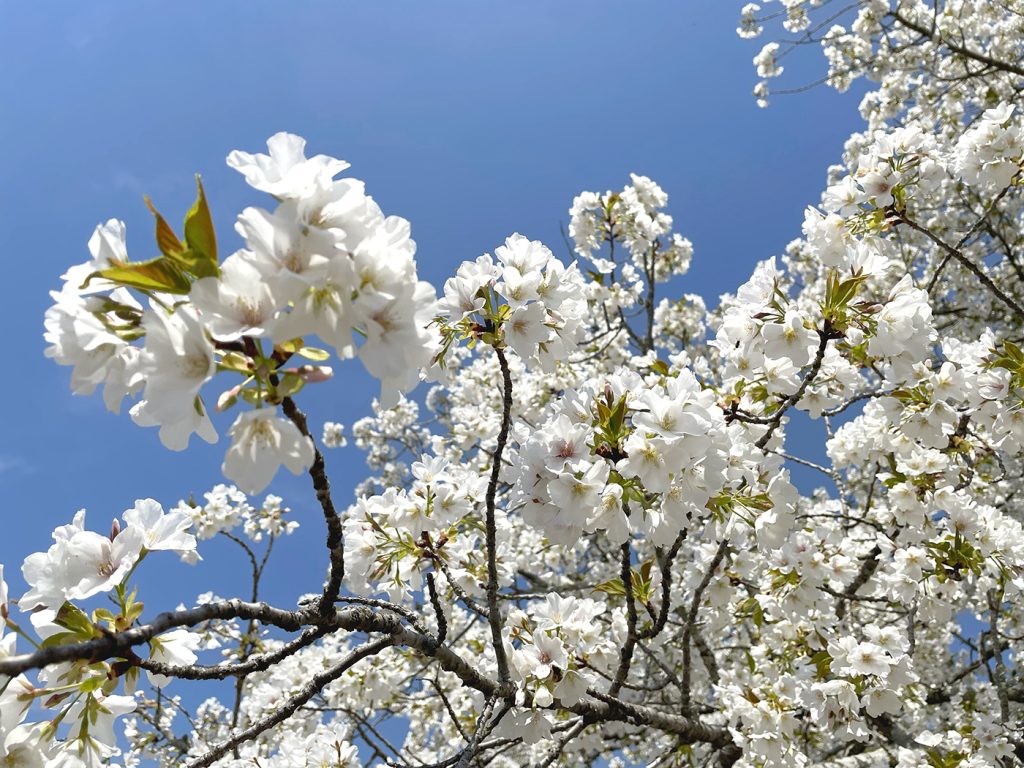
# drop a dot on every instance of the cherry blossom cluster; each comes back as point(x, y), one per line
point(225, 507)
point(527, 300)
point(79, 697)
point(623, 454)
point(633, 217)
point(556, 652)
point(326, 262)
point(395, 537)
point(990, 153)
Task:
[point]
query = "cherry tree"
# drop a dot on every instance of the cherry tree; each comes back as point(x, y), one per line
point(582, 546)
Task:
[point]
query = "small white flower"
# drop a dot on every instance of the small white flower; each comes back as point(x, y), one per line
point(285, 172)
point(176, 647)
point(537, 659)
point(96, 564)
point(260, 442)
point(161, 531)
point(869, 659)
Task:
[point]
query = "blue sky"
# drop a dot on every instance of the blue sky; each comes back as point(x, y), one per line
point(471, 119)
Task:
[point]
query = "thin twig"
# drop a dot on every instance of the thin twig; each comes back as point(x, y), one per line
point(288, 708)
point(335, 532)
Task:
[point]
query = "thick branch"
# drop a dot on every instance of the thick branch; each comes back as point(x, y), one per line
point(358, 619)
point(442, 622)
point(118, 644)
point(868, 567)
point(626, 652)
point(666, 560)
point(824, 336)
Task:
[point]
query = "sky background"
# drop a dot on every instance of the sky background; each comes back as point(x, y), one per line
point(471, 119)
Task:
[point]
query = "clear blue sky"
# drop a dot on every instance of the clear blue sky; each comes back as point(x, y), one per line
point(471, 119)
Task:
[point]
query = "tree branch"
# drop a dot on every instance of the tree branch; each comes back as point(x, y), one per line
point(931, 34)
point(969, 265)
point(691, 619)
point(335, 532)
point(288, 708)
point(493, 611)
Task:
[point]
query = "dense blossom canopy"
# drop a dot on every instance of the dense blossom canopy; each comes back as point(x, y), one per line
point(583, 547)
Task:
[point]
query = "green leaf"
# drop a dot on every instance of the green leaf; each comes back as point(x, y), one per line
point(61, 638)
point(822, 662)
point(290, 384)
point(134, 611)
point(313, 353)
point(251, 396)
point(160, 274)
point(197, 264)
point(200, 238)
point(236, 361)
point(166, 240)
point(91, 684)
point(752, 608)
point(291, 346)
point(618, 416)
point(73, 618)
point(102, 614)
point(611, 587)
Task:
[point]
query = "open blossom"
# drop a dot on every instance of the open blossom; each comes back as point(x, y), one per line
point(176, 362)
point(79, 564)
point(537, 659)
point(285, 172)
point(397, 344)
point(92, 722)
point(261, 441)
point(177, 647)
point(238, 301)
point(525, 329)
point(25, 747)
point(78, 332)
point(576, 496)
point(868, 659)
point(95, 563)
point(878, 186)
point(790, 339)
point(161, 531)
point(990, 153)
